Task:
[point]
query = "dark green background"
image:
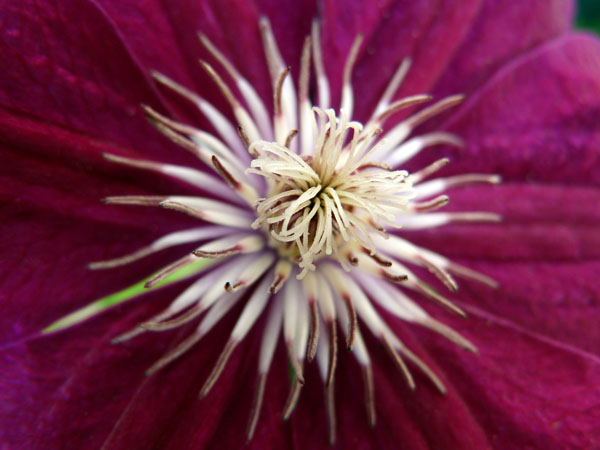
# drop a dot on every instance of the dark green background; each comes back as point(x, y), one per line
point(589, 15)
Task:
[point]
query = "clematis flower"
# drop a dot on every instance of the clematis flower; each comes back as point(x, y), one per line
point(287, 233)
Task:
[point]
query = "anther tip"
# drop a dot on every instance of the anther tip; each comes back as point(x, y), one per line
point(206, 66)
point(459, 98)
point(158, 76)
point(203, 393)
point(145, 325)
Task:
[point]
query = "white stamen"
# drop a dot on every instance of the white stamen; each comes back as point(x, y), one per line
point(253, 100)
point(251, 273)
point(412, 147)
point(168, 240)
point(186, 174)
point(393, 86)
point(438, 185)
point(347, 95)
point(322, 81)
point(218, 120)
point(276, 65)
point(432, 220)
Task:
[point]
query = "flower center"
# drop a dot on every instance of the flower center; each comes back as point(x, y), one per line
point(334, 199)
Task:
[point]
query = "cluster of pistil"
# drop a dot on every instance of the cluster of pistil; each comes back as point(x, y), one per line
point(320, 204)
point(300, 209)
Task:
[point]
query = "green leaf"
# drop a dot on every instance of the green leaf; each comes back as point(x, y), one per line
point(121, 296)
point(589, 15)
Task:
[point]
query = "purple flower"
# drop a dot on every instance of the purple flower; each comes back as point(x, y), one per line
point(74, 75)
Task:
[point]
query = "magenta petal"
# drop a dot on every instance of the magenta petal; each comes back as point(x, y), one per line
point(537, 118)
point(559, 300)
point(547, 399)
point(540, 223)
point(53, 168)
point(67, 390)
point(545, 254)
point(44, 261)
point(70, 92)
point(427, 32)
point(163, 37)
point(82, 78)
point(525, 391)
point(164, 410)
point(419, 418)
point(501, 32)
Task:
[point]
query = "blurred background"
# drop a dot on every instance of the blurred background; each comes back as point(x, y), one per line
point(589, 15)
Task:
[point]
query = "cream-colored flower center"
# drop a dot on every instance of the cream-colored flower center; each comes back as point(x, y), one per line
point(318, 204)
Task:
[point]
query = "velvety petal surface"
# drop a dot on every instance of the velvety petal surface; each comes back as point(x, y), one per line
point(521, 390)
point(545, 252)
point(117, 406)
point(52, 181)
point(500, 32)
point(545, 255)
point(44, 259)
point(524, 391)
point(55, 168)
point(163, 36)
point(428, 32)
point(455, 46)
point(79, 77)
point(66, 391)
point(536, 118)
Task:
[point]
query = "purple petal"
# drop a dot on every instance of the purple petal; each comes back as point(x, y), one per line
point(164, 37)
point(547, 399)
point(81, 78)
point(428, 32)
point(544, 254)
point(54, 168)
point(540, 222)
point(44, 265)
point(536, 119)
point(525, 391)
point(501, 32)
point(68, 390)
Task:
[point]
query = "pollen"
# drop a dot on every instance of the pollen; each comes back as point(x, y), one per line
point(301, 213)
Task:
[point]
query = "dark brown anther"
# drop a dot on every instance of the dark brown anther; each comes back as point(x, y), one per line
point(313, 337)
point(229, 179)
